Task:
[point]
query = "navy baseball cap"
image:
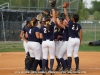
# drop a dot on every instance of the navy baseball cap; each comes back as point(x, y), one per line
point(28, 20)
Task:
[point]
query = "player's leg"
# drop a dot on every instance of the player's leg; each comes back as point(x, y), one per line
point(37, 54)
point(70, 48)
point(40, 62)
point(52, 53)
point(45, 54)
point(61, 54)
point(56, 54)
point(76, 49)
point(27, 53)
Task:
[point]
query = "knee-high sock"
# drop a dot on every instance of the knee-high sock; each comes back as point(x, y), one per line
point(77, 62)
point(51, 63)
point(63, 63)
point(58, 61)
point(36, 62)
point(66, 61)
point(47, 63)
point(40, 63)
point(69, 62)
point(43, 64)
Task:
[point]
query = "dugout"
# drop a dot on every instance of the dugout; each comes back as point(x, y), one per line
point(94, 43)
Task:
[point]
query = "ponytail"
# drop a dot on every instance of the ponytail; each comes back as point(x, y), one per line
point(76, 19)
point(75, 25)
point(33, 22)
point(48, 25)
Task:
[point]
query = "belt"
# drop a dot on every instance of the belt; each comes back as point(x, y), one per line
point(48, 40)
point(74, 37)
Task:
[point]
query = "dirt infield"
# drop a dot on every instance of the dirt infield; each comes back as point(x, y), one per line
point(10, 62)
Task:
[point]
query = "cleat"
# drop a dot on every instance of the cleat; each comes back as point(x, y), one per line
point(69, 71)
point(47, 69)
point(34, 72)
point(27, 71)
point(77, 71)
point(58, 67)
point(64, 70)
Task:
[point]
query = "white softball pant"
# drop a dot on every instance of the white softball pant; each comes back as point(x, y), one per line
point(48, 47)
point(63, 51)
point(73, 47)
point(25, 46)
point(58, 46)
point(34, 49)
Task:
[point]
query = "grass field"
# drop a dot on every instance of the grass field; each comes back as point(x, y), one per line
point(18, 47)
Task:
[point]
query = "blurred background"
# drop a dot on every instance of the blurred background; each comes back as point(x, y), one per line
point(13, 14)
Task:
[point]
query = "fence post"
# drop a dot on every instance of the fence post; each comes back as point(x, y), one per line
point(3, 27)
point(95, 32)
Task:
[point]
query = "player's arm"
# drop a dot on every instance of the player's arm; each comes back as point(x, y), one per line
point(37, 35)
point(41, 36)
point(65, 5)
point(21, 35)
point(80, 36)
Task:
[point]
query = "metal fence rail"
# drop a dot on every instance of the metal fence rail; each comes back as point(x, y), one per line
point(91, 31)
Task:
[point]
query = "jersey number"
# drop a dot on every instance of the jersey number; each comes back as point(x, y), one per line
point(73, 28)
point(45, 30)
point(30, 31)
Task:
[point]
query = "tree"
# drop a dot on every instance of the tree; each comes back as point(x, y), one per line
point(96, 5)
point(96, 15)
point(82, 11)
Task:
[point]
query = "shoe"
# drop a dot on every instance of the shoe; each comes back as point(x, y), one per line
point(41, 71)
point(65, 70)
point(69, 71)
point(50, 71)
point(33, 72)
point(58, 67)
point(77, 71)
point(27, 71)
point(47, 69)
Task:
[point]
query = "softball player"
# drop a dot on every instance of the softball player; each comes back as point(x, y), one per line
point(63, 50)
point(33, 41)
point(23, 32)
point(58, 45)
point(56, 30)
point(48, 44)
point(75, 38)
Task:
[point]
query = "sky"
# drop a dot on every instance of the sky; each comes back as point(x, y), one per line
point(88, 3)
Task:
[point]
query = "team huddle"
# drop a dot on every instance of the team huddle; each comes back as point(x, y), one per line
point(58, 37)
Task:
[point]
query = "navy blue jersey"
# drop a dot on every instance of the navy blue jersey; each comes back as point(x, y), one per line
point(31, 34)
point(56, 32)
point(60, 32)
point(48, 34)
point(25, 28)
point(72, 31)
point(65, 34)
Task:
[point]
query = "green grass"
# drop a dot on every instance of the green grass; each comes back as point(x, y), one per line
point(11, 47)
point(18, 47)
point(87, 48)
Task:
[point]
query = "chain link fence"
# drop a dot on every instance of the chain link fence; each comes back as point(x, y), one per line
point(11, 30)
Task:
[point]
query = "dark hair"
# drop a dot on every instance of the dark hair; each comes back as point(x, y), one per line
point(76, 19)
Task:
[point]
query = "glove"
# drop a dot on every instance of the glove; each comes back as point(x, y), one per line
point(46, 13)
point(65, 5)
point(52, 3)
